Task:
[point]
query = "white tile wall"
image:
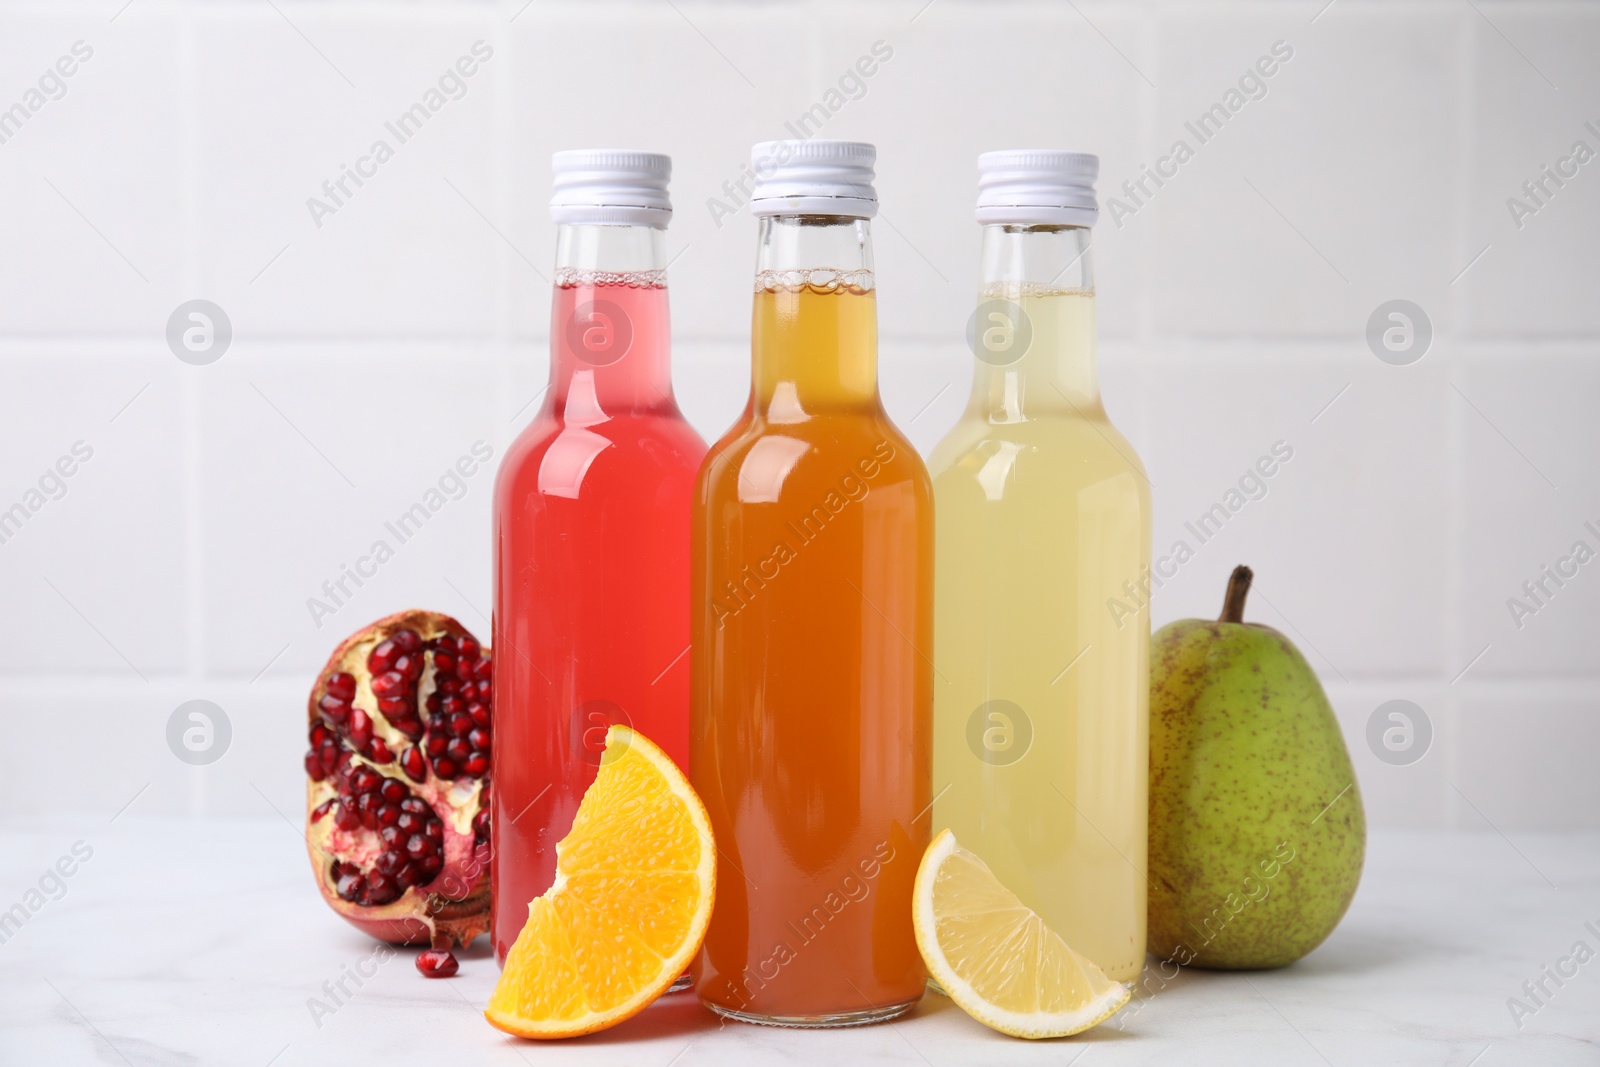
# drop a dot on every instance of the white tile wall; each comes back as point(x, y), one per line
point(296, 483)
point(1505, 729)
point(1324, 197)
point(93, 182)
point(1535, 87)
point(372, 351)
point(405, 255)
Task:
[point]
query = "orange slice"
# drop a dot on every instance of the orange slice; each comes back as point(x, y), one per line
point(635, 881)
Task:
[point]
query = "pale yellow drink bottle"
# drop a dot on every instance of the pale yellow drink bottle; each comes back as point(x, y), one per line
point(1042, 513)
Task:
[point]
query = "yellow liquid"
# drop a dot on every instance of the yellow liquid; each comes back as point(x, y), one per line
point(1042, 512)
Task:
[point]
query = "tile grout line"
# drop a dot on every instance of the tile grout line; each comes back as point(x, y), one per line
point(502, 342)
point(1149, 115)
point(1452, 634)
point(190, 394)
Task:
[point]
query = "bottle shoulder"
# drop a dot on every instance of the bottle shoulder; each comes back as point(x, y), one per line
point(1054, 453)
point(758, 461)
point(624, 430)
point(553, 457)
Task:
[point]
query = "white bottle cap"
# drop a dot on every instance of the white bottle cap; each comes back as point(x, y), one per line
point(610, 186)
point(1037, 187)
point(813, 178)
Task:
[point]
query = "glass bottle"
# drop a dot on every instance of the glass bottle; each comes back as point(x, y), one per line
point(591, 517)
point(812, 682)
point(1041, 731)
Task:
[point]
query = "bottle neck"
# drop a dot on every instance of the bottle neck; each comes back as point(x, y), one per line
point(1034, 331)
point(609, 333)
point(814, 333)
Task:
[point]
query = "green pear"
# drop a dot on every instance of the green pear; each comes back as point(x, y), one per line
point(1256, 829)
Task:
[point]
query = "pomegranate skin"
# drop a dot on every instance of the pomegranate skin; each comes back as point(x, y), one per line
point(452, 906)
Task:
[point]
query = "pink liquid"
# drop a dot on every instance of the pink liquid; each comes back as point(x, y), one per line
point(591, 625)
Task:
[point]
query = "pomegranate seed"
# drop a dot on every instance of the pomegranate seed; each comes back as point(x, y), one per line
point(460, 724)
point(449, 685)
point(415, 805)
point(319, 734)
point(381, 888)
point(393, 790)
point(480, 826)
point(389, 862)
point(477, 765)
point(436, 744)
point(351, 886)
point(393, 837)
point(409, 822)
point(342, 685)
point(429, 866)
point(388, 815)
point(364, 780)
point(479, 712)
point(406, 665)
point(379, 752)
point(412, 728)
point(360, 728)
point(314, 767)
point(485, 675)
point(437, 963)
point(413, 764)
point(346, 818)
point(394, 706)
point(382, 656)
point(458, 749)
point(409, 876)
point(329, 755)
point(468, 647)
point(444, 768)
point(450, 705)
point(321, 810)
point(419, 846)
point(407, 641)
point(479, 738)
point(333, 711)
point(447, 642)
point(434, 831)
point(388, 684)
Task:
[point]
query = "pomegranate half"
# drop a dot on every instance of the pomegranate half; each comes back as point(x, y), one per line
point(397, 804)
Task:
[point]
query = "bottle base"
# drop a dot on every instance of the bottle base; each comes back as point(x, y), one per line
point(681, 984)
point(817, 1022)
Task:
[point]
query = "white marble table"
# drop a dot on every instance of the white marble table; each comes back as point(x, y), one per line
point(202, 942)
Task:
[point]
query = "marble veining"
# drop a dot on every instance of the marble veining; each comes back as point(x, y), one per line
point(205, 942)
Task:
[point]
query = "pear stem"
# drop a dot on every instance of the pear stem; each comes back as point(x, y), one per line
point(1238, 589)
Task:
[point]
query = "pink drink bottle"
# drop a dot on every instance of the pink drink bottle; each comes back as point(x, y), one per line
point(591, 516)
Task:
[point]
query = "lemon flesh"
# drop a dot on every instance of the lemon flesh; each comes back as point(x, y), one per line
point(996, 958)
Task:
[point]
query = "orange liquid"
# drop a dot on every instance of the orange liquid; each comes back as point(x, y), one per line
point(811, 683)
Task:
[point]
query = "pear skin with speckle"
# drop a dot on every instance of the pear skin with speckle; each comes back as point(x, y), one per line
point(1257, 833)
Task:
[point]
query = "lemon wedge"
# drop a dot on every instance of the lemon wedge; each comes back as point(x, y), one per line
point(996, 958)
